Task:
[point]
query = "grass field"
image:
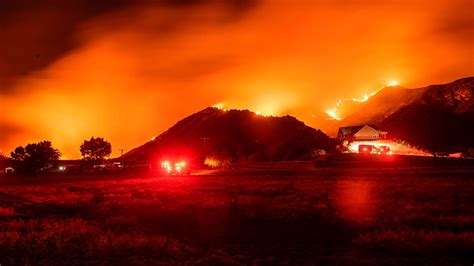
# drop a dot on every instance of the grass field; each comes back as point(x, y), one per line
point(347, 217)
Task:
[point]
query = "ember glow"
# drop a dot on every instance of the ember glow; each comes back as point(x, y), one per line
point(130, 71)
point(393, 83)
point(333, 112)
point(220, 106)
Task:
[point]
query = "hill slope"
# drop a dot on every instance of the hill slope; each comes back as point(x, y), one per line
point(235, 135)
point(437, 116)
point(441, 118)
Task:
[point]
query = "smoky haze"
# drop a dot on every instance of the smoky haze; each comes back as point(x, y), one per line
point(127, 70)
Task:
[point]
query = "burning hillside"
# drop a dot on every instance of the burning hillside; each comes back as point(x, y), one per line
point(439, 117)
point(349, 104)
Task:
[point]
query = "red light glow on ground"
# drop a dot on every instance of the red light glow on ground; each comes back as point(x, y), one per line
point(395, 147)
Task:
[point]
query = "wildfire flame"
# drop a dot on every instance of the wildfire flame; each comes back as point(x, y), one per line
point(393, 83)
point(332, 112)
point(259, 113)
point(219, 106)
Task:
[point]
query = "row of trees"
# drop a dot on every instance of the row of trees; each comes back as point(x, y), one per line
point(37, 157)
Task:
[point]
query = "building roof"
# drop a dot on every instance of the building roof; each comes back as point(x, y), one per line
point(353, 129)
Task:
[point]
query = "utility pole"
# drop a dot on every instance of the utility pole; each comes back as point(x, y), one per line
point(204, 141)
point(121, 151)
point(432, 136)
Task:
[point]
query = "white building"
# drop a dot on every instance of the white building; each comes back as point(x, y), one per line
point(364, 132)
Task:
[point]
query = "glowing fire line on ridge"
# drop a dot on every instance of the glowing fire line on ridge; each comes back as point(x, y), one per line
point(221, 106)
point(332, 112)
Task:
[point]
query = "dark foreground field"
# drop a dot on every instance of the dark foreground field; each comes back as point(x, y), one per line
point(263, 217)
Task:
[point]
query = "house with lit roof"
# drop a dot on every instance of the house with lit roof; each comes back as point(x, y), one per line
point(363, 132)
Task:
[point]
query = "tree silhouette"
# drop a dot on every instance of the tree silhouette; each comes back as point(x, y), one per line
point(95, 150)
point(35, 157)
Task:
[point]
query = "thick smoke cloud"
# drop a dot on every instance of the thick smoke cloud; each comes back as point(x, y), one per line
point(128, 70)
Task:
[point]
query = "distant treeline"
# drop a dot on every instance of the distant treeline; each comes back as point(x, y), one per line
point(41, 156)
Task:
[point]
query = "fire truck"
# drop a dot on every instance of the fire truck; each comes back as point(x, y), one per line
point(373, 149)
point(175, 167)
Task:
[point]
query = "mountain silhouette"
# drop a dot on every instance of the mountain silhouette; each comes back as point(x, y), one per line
point(236, 135)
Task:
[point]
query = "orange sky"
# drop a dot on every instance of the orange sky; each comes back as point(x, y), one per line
point(129, 72)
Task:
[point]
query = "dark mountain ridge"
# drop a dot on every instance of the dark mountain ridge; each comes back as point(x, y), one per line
point(235, 135)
